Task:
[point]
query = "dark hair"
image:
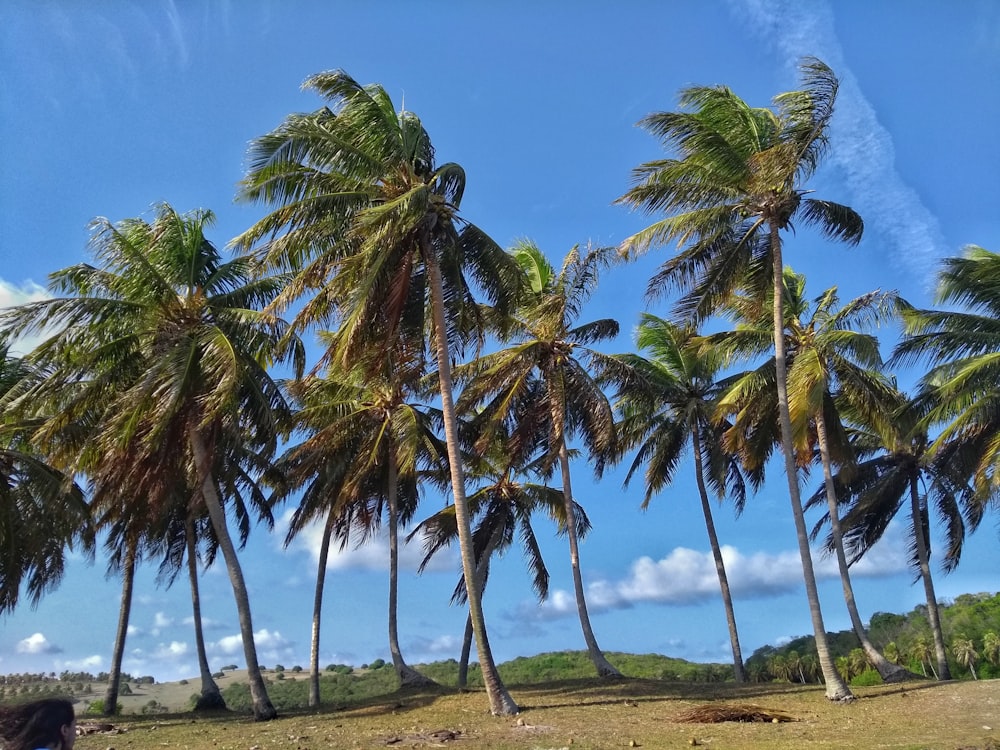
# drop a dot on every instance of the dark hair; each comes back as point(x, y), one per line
point(35, 725)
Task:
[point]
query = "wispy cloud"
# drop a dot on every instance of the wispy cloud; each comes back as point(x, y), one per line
point(18, 294)
point(860, 145)
point(686, 576)
point(271, 646)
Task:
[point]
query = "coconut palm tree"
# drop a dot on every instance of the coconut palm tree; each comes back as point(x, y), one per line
point(991, 647)
point(549, 349)
point(960, 390)
point(738, 182)
point(367, 435)
point(171, 349)
point(370, 223)
point(667, 401)
point(503, 505)
point(895, 470)
point(831, 360)
point(42, 511)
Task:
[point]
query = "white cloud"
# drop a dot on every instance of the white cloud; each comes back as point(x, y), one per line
point(687, 576)
point(37, 644)
point(162, 620)
point(207, 623)
point(172, 650)
point(859, 145)
point(372, 555)
point(28, 291)
point(271, 646)
point(86, 664)
point(133, 630)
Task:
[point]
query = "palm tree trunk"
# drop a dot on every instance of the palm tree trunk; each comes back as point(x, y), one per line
point(923, 559)
point(211, 697)
point(463, 662)
point(603, 666)
point(124, 610)
point(263, 709)
point(720, 567)
point(324, 553)
point(836, 688)
point(408, 677)
point(889, 672)
point(501, 702)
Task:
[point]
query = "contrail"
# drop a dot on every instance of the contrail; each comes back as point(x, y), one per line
point(860, 146)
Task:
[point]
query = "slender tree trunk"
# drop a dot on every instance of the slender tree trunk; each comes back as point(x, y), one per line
point(211, 697)
point(124, 610)
point(463, 662)
point(601, 664)
point(889, 672)
point(263, 709)
point(836, 688)
point(408, 677)
point(923, 559)
point(720, 567)
point(324, 554)
point(501, 702)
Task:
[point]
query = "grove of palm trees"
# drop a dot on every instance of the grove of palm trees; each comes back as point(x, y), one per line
point(365, 358)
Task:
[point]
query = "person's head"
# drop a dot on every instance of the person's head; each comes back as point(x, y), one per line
point(47, 723)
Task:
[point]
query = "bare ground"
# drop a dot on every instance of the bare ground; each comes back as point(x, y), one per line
point(585, 714)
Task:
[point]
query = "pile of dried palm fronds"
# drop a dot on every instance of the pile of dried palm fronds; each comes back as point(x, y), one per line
point(714, 713)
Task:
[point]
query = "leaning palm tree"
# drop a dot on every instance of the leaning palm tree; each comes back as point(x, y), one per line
point(737, 183)
point(370, 224)
point(503, 506)
point(547, 347)
point(172, 349)
point(667, 401)
point(895, 470)
point(832, 360)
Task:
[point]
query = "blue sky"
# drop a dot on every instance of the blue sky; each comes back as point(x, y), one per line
point(107, 108)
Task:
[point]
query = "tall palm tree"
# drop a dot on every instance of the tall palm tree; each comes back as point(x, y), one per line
point(895, 470)
point(371, 224)
point(176, 350)
point(42, 511)
point(738, 182)
point(548, 348)
point(960, 390)
point(831, 359)
point(667, 401)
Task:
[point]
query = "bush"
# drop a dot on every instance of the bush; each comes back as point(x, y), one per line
point(229, 667)
point(278, 667)
point(96, 708)
point(183, 682)
point(377, 664)
point(866, 679)
point(124, 689)
point(218, 675)
point(296, 668)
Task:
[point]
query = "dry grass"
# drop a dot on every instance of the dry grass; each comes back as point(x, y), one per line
point(589, 714)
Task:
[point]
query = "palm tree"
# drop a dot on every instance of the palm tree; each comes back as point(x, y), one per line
point(924, 653)
point(894, 470)
point(831, 360)
point(169, 342)
point(965, 654)
point(503, 505)
point(737, 184)
point(667, 401)
point(549, 349)
point(991, 647)
point(42, 511)
point(362, 424)
point(367, 219)
point(960, 390)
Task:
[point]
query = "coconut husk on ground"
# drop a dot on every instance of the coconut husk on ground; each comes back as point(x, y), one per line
point(715, 713)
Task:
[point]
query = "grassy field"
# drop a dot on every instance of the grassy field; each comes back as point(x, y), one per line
point(590, 714)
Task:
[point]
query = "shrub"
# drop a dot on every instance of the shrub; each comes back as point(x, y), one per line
point(183, 682)
point(96, 708)
point(278, 667)
point(229, 667)
point(866, 679)
point(296, 668)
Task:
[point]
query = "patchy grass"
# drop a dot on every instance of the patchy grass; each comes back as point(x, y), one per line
point(586, 714)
